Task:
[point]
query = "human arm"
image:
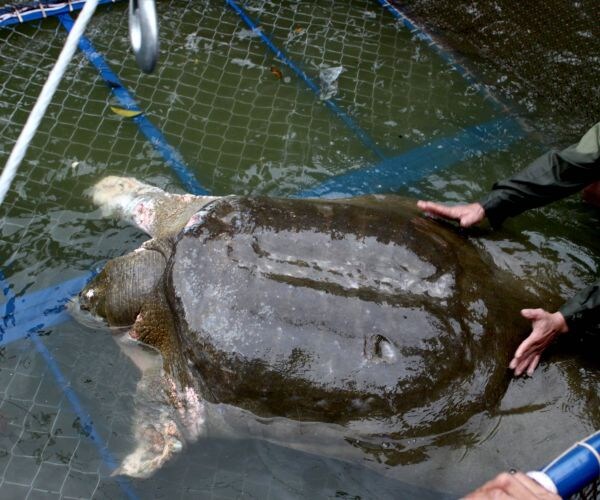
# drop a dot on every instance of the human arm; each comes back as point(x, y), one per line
point(583, 309)
point(552, 176)
point(517, 486)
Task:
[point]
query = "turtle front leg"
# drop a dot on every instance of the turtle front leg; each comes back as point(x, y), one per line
point(168, 410)
point(149, 208)
point(157, 432)
point(166, 416)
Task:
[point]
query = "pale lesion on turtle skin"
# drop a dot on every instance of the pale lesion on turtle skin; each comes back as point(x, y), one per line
point(166, 415)
point(154, 211)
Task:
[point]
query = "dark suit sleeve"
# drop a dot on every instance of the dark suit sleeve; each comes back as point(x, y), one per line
point(550, 177)
point(583, 309)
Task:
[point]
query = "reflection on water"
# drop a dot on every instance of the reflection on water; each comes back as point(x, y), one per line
point(244, 130)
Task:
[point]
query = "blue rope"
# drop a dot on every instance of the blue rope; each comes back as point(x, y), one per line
point(171, 156)
point(412, 166)
point(41, 309)
point(87, 424)
point(8, 319)
point(340, 113)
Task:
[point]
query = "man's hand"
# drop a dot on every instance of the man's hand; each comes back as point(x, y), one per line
point(546, 326)
point(467, 215)
point(516, 486)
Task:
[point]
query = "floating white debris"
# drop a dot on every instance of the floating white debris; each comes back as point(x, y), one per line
point(377, 65)
point(244, 63)
point(329, 84)
point(564, 57)
point(192, 42)
point(244, 34)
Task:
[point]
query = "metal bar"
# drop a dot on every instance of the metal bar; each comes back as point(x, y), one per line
point(11, 14)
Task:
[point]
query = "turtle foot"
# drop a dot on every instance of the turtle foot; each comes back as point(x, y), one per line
point(156, 445)
point(166, 418)
point(190, 410)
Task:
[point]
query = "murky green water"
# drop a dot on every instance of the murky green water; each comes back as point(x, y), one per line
point(552, 74)
point(244, 123)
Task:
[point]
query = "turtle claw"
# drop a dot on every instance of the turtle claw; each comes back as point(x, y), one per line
point(155, 447)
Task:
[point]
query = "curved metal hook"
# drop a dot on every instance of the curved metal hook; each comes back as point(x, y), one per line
point(143, 33)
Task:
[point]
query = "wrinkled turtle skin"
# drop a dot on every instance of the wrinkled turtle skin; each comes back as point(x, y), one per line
point(333, 311)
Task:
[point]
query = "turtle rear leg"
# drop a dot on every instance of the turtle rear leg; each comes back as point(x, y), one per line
point(154, 211)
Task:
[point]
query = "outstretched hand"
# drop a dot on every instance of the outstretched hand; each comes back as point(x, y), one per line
point(467, 215)
point(516, 486)
point(546, 326)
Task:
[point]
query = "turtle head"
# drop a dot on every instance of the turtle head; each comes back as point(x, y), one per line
point(90, 305)
point(116, 295)
point(117, 196)
point(154, 211)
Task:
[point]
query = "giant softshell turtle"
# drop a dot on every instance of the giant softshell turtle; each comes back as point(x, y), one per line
point(340, 311)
